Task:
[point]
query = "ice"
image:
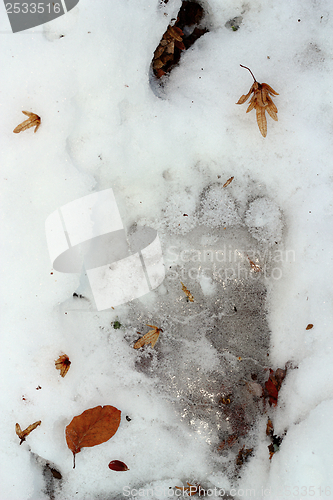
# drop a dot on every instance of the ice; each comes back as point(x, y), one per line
point(213, 348)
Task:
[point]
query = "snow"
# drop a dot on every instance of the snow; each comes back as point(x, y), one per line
point(167, 152)
point(263, 219)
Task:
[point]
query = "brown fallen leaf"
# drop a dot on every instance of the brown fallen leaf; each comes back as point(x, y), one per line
point(92, 427)
point(273, 385)
point(63, 364)
point(271, 450)
point(23, 434)
point(261, 101)
point(174, 33)
point(187, 293)
point(310, 325)
point(149, 338)
point(228, 182)
point(33, 121)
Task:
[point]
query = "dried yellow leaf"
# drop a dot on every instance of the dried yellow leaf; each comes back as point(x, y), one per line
point(175, 33)
point(262, 102)
point(63, 364)
point(187, 293)
point(33, 121)
point(261, 120)
point(149, 338)
point(23, 434)
point(269, 427)
point(228, 182)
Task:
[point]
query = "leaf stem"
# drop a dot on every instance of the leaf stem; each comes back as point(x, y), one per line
point(249, 71)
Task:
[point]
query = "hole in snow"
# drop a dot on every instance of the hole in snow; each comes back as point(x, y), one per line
point(178, 37)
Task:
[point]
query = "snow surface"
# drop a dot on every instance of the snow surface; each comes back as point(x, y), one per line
point(167, 152)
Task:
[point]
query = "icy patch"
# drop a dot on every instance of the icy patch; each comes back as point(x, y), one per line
point(212, 351)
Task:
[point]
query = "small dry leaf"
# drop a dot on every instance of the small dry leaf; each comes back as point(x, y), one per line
point(261, 101)
point(243, 456)
point(33, 121)
point(23, 434)
point(271, 450)
point(273, 385)
point(118, 466)
point(92, 427)
point(190, 490)
point(187, 293)
point(256, 268)
point(310, 325)
point(228, 182)
point(175, 33)
point(269, 428)
point(63, 364)
point(149, 338)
